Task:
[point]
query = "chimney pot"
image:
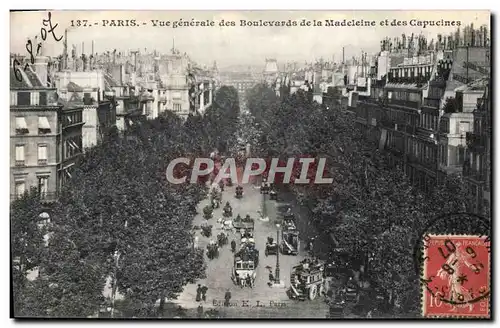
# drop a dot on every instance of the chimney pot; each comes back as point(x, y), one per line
point(41, 69)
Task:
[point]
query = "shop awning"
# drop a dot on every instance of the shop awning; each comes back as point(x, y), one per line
point(21, 123)
point(43, 123)
point(73, 145)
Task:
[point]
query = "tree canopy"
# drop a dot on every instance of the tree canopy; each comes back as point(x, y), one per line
point(118, 218)
point(371, 207)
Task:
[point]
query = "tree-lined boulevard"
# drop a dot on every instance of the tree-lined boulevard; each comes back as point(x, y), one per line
point(119, 220)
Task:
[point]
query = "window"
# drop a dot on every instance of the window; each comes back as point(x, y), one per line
point(87, 98)
point(461, 155)
point(21, 126)
point(43, 99)
point(19, 155)
point(24, 98)
point(463, 127)
point(72, 147)
point(35, 98)
point(43, 186)
point(43, 125)
point(177, 107)
point(13, 98)
point(20, 188)
point(42, 154)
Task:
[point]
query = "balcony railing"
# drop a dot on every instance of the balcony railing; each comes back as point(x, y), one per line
point(47, 197)
point(430, 102)
point(474, 174)
point(133, 100)
point(42, 162)
point(406, 103)
point(461, 78)
point(474, 141)
point(429, 162)
point(480, 69)
point(20, 163)
point(412, 158)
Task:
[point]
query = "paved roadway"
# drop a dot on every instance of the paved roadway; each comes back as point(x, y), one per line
point(275, 300)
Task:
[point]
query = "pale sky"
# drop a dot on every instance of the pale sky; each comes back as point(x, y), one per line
point(232, 45)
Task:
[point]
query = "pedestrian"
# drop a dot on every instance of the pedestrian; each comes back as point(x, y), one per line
point(204, 290)
point(198, 293)
point(233, 245)
point(271, 276)
point(227, 298)
point(200, 311)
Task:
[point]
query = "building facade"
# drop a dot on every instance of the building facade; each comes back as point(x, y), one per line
point(89, 89)
point(419, 113)
point(45, 135)
point(477, 165)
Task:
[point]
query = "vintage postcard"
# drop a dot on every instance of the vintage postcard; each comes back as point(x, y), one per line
point(250, 164)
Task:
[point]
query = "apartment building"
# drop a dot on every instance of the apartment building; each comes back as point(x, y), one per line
point(420, 114)
point(88, 89)
point(45, 134)
point(477, 164)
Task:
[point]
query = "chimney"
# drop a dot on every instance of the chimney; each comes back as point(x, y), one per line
point(41, 69)
point(122, 74)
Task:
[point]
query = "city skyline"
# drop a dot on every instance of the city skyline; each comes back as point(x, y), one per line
point(230, 45)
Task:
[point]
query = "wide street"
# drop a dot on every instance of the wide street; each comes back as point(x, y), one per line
point(275, 301)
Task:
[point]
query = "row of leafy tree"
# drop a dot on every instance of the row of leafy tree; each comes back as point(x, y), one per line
point(118, 220)
point(371, 208)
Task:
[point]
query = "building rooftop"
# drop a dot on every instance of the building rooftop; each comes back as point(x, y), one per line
point(110, 82)
point(25, 79)
point(68, 105)
point(73, 87)
point(407, 86)
point(477, 85)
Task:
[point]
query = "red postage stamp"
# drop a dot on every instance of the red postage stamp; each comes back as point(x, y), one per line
point(456, 276)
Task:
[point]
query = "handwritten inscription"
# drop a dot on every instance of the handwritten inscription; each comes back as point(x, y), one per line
point(33, 51)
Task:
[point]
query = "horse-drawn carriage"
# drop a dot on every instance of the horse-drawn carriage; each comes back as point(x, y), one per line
point(246, 223)
point(225, 225)
point(308, 280)
point(289, 238)
point(222, 239)
point(238, 192)
point(247, 235)
point(212, 250)
point(221, 185)
point(206, 230)
point(245, 264)
point(272, 247)
point(214, 203)
point(208, 212)
point(227, 210)
point(215, 196)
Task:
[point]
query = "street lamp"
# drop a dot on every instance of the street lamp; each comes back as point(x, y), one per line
point(277, 276)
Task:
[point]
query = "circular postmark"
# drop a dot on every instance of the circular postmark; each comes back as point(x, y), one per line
point(452, 257)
